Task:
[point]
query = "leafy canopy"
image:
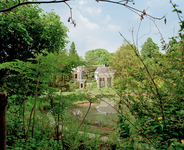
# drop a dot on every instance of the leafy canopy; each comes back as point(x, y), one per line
point(25, 33)
point(73, 51)
point(99, 56)
point(149, 48)
point(122, 60)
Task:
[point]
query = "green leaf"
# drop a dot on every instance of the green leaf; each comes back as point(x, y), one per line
point(177, 143)
point(174, 10)
point(162, 126)
point(153, 127)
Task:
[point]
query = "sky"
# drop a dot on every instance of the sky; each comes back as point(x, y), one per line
point(98, 23)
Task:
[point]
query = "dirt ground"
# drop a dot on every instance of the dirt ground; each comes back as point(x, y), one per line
point(86, 104)
point(102, 130)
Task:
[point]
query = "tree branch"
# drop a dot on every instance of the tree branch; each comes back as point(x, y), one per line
point(38, 2)
point(174, 5)
point(70, 19)
point(148, 72)
point(139, 12)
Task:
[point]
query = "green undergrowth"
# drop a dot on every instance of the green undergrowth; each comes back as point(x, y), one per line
point(45, 136)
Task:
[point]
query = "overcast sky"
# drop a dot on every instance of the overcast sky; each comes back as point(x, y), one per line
point(98, 24)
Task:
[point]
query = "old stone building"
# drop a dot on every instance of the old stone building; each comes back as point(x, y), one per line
point(103, 75)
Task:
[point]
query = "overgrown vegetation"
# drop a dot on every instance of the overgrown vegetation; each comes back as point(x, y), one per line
point(153, 95)
point(148, 89)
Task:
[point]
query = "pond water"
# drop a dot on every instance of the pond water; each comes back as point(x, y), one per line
point(101, 114)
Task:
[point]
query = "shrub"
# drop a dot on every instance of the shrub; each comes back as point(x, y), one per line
point(156, 104)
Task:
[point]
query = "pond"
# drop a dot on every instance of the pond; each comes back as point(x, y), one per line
point(99, 114)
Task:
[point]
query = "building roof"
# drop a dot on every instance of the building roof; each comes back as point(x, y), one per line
point(104, 70)
point(78, 69)
point(101, 70)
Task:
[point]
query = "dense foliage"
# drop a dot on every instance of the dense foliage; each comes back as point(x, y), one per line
point(149, 49)
point(25, 33)
point(149, 90)
point(73, 51)
point(154, 97)
point(98, 57)
point(123, 59)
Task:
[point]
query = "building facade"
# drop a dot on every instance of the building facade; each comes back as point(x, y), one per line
point(78, 74)
point(103, 75)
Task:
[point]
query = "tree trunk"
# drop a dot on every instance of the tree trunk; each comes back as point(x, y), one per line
point(3, 103)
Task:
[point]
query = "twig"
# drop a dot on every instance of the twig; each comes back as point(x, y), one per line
point(85, 115)
point(15, 111)
point(157, 91)
point(33, 109)
point(132, 9)
point(157, 29)
point(34, 2)
point(138, 33)
point(70, 19)
point(35, 99)
point(126, 119)
point(176, 11)
point(24, 115)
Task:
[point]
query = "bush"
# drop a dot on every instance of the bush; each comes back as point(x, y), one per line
point(73, 86)
point(156, 104)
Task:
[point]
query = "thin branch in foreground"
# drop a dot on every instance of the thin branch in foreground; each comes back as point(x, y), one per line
point(85, 115)
point(70, 19)
point(127, 120)
point(83, 119)
point(36, 2)
point(174, 5)
point(138, 33)
point(162, 38)
point(145, 34)
point(148, 72)
point(139, 12)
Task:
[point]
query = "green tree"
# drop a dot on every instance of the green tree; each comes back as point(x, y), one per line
point(26, 34)
point(90, 69)
point(61, 77)
point(149, 49)
point(81, 58)
point(99, 56)
point(123, 60)
point(95, 57)
point(73, 51)
point(50, 71)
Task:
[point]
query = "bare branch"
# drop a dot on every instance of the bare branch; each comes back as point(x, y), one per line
point(148, 72)
point(138, 33)
point(130, 121)
point(85, 115)
point(146, 33)
point(38, 2)
point(176, 11)
point(70, 19)
point(126, 1)
point(162, 38)
point(139, 12)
